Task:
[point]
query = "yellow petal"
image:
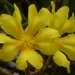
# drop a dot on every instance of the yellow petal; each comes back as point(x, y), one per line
point(68, 46)
point(59, 18)
point(63, 10)
point(17, 17)
point(53, 7)
point(46, 35)
point(12, 24)
point(38, 20)
point(44, 40)
point(69, 26)
point(46, 48)
point(32, 12)
point(32, 57)
point(61, 60)
point(52, 15)
point(9, 49)
point(22, 61)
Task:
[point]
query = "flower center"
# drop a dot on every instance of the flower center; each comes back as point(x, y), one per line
point(25, 42)
point(59, 42)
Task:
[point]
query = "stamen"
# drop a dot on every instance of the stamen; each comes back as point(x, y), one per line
point(25, 42)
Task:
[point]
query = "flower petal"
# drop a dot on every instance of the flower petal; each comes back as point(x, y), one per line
point(52, 17)
point(47, 48)
point(31, 56)
point(53, 7)
point(38, 20)
point(68, 46)
point(17, 17)
point(46, 35)
point(63, 10)
point(22, 61)
point(44, 40)
point(9, 49)
point(34, 56)
point(32, 12)
point(61, 60)
point(58, 19)
point(12, 24)
point(69, 26)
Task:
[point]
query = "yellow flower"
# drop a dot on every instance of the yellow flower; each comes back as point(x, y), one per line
point(62, 24)
point(67, 46)
point(25, 41)
point(60, 21)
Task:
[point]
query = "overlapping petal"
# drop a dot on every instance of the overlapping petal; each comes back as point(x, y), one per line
point(61, 60)
point(68, 46)
point(46, 35)
point(36, 20)
point(12, 24)
point(44, 41)
point(32, 57)
point(47, 48)
point(9, 49)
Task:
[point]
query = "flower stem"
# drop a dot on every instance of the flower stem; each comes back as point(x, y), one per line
point(4, 72)
point(27, 71)
point(45, 66)
point(47, 62)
